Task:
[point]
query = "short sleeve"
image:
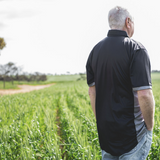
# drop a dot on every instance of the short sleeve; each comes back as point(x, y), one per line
point(140, 70)
point(89, 71)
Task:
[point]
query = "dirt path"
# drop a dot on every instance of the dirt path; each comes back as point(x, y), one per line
point(23, 89)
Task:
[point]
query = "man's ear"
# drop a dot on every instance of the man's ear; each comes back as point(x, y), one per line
point(127, 22)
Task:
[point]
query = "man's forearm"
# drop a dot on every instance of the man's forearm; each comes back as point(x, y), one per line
point(92, 95)
point(147, 105)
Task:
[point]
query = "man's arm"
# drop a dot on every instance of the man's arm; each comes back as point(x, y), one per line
point(92, 95)
point(147, 105)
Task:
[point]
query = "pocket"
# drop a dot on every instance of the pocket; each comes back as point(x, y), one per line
point(149, 133)
point(149, 136)
point(149, 141)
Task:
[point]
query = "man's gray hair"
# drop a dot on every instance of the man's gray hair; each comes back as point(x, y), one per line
point(117, 17)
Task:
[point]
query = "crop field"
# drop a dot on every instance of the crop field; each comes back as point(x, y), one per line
point(57, 123)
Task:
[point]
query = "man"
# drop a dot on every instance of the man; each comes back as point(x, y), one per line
point(119, 79)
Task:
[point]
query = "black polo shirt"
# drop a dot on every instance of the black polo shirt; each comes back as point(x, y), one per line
point(118, 67)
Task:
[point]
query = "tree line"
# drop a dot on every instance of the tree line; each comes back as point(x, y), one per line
point(11, 72)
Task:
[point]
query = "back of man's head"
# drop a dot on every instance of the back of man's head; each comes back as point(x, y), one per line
point(117, 17)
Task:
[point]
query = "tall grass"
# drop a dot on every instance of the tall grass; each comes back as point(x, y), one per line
point(28, 127)
point(57, 123)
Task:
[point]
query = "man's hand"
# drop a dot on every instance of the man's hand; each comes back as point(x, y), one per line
point(92, 95)
point(147, 105)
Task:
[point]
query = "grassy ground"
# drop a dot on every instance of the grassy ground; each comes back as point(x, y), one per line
point(8, 85)
point(155, 76)
point(53, 123)
point(57, 78)
point(57, 123)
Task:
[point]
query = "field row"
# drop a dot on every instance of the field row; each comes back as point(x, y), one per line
point(52, 123)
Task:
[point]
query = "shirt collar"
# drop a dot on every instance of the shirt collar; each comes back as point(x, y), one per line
point(116, 33)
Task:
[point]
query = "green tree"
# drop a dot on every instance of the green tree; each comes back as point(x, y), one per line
point(3, 73)
point(2, 43)
point(7, 71)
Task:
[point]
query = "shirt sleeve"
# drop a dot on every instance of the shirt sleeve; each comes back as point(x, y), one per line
point(89, 71)
point(140, 71)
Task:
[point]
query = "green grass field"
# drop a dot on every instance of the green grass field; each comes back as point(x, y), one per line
point(155, 76)
point(8, 85)
point(61, 78)
point(57, 123)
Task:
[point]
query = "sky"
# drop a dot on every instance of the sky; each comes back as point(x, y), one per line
point(56, 36)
